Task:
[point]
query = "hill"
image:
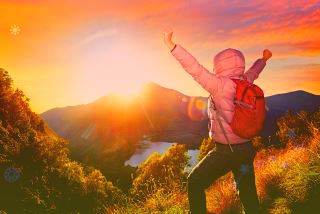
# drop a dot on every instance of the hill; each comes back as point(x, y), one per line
point(279, 104)
point(106, 132)
point(37, 174)
point(158, 113)
point(40, 177)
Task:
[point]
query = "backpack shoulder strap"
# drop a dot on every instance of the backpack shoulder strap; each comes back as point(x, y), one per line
point(218, 115)
point(215, 108)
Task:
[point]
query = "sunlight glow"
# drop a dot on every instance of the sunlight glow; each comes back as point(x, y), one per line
point(127, 92)
point(116, 46)
point(117, 69)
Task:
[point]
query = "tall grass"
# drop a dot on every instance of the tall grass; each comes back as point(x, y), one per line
point(287, 178)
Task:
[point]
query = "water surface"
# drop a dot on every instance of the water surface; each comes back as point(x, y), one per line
point(146, 148)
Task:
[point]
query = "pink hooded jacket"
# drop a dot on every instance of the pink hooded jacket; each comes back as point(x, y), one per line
point(229, 63)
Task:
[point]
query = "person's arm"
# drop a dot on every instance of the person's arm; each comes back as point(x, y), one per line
point(253, 72)
point(206, 79)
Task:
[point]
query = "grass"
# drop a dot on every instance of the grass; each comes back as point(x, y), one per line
point(159, 202)
point(287, 180)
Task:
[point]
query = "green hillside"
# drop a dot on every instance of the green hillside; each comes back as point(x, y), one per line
point(37, 175)
point(287, 176)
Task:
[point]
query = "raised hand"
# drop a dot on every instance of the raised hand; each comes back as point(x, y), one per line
point(167, 38)
point(267, 54)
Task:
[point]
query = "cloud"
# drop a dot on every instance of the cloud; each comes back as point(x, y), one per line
point(204, 23)
point(303, 72)
point(292, 29)
point(98, 35)
point(51, 29)
point(290, 78)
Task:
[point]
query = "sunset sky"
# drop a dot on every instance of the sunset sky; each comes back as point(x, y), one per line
point(73, 52)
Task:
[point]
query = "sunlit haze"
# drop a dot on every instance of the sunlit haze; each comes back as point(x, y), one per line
point(63, 53)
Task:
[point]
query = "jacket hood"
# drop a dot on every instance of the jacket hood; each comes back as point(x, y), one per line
point(229, 62)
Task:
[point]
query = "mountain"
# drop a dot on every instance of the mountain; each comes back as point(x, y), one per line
point(105, 133)
point(37, 174)
point(279, 104)
point(158, 113)
point(296, 100)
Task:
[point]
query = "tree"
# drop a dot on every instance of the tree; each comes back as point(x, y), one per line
point(164, 172)
point(39, 176)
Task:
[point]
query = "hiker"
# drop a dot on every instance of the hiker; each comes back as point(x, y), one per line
point(231, 153)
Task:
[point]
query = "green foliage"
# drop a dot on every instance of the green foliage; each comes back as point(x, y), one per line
point(296, 182)
point(222, 196)
point(258, 144)
point(161, 172)
point(298, 128)
point(280, 206)
point(206, 145)
point(160, 184)
point(287, 178)
point(285, 183)
point(48, 181)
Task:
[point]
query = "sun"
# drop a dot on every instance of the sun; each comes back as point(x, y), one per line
point(128, 91)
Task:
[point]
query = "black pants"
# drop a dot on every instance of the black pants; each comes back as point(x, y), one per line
point(217, 163)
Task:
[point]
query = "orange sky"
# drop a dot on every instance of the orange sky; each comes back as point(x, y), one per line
point(73, 52)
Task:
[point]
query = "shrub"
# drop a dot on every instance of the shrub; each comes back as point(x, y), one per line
point(161, 172)
point(40, 177)
point(206, 145)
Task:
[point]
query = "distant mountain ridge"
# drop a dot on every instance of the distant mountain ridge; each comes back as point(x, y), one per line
point(295, 100)
point(106, 132)
point(279, 104)
point(157, 110)
point(110, 128)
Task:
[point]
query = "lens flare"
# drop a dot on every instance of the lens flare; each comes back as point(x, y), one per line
point(196, 109)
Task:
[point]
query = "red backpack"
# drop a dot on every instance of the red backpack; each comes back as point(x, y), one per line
point(250, 109)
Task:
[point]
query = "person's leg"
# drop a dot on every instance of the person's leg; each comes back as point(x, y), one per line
point(245, 179)
point(212, 166)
